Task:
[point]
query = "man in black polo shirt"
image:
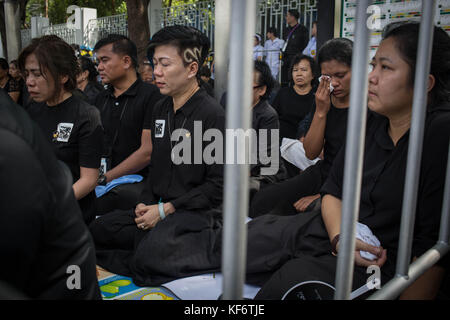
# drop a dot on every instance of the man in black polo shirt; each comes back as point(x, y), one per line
point(126, 108)
point(168, 234)
point(296, 39)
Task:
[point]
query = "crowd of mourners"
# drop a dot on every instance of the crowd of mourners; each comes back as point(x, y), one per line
point(88, 175)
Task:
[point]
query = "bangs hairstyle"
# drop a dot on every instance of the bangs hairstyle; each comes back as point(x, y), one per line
point(406, 36)
point(339, 49)
point(299, 57)
point(192, 44)
point(56, 58)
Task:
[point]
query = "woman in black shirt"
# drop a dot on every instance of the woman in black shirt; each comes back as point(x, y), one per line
point(391, 91)
point(327, 132)
point(71, 125)
point(295, 102)
point(87, 79)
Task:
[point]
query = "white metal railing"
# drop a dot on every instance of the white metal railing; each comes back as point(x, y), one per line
point(199, 15)
point(272, 14)
point(25, 35)
point(99, 28)
point(62, 31)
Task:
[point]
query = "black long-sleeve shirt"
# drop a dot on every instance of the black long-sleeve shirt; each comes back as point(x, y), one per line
point(188, 186)
point(298, 40)
point(383, 181)
point(264, 117)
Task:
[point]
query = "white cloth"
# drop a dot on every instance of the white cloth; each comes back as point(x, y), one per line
point(292, 151)
point(258, 51)
point(331, 87)
point(310, 49)
point(272, 53)
point(364, 234)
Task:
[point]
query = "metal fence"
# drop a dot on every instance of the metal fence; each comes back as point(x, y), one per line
point(272, 13)
point(25, 35)
point(99, 28)
point(62, 31)
point(199, 15)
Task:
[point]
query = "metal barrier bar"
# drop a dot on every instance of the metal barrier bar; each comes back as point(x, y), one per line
point(221, 49)
point(398, 284)
point(444, 233)
point(416, 137)
point(356, 132)
point(236, 189)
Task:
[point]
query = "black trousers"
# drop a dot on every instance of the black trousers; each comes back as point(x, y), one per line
point(278, 199)
point(185, 243)
point(121, 197)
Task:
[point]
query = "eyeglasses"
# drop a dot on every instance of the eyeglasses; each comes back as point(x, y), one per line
point(256, 87)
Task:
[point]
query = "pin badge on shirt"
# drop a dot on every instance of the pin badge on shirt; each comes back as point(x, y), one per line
point(159, 128)
point(63, 131)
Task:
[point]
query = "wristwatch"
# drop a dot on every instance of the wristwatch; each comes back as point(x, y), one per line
point(101, 180)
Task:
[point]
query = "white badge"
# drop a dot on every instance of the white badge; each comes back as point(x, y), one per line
point(159, 128)
point(63, 132)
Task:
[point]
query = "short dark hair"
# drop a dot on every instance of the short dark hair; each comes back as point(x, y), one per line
point(339, 49)
point(406, 36)
point(273, 30)
point(192, 44)
point(54, 56)
point(120, 45)
point(294, 13)
point(312, 63)
point(205, 72)
point(264, 78)
point(15, 63)
point(4, 64)
point(87, 64)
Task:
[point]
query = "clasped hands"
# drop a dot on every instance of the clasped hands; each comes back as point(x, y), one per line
point(148, 216)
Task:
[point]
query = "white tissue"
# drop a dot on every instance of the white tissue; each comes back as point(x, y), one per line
point(364, 234)
point(331, 87)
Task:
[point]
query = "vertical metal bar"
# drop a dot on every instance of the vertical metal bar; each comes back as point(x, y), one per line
point(237, 175)
point(356, 130)
point(444, 233)
point(416, 137)
point(221, 50)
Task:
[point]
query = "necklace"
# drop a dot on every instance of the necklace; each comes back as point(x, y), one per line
point(187, 99)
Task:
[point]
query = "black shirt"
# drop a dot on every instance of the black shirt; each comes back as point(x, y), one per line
point(124, 118)
point(91, 90)
point(186, 186)
point(383, 179)
point(335, 135)
point(75, 131)
point(292, 108)
point(298, 41)
point(41, 230)
point(264, 117)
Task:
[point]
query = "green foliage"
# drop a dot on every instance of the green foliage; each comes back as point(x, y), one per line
point(57, 8)
point(168, 3)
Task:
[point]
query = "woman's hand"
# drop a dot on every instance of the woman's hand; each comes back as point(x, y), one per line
point(148, 216)
point(140, 209)
point(377, 251)
point(303, 203)
point(323, 97)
